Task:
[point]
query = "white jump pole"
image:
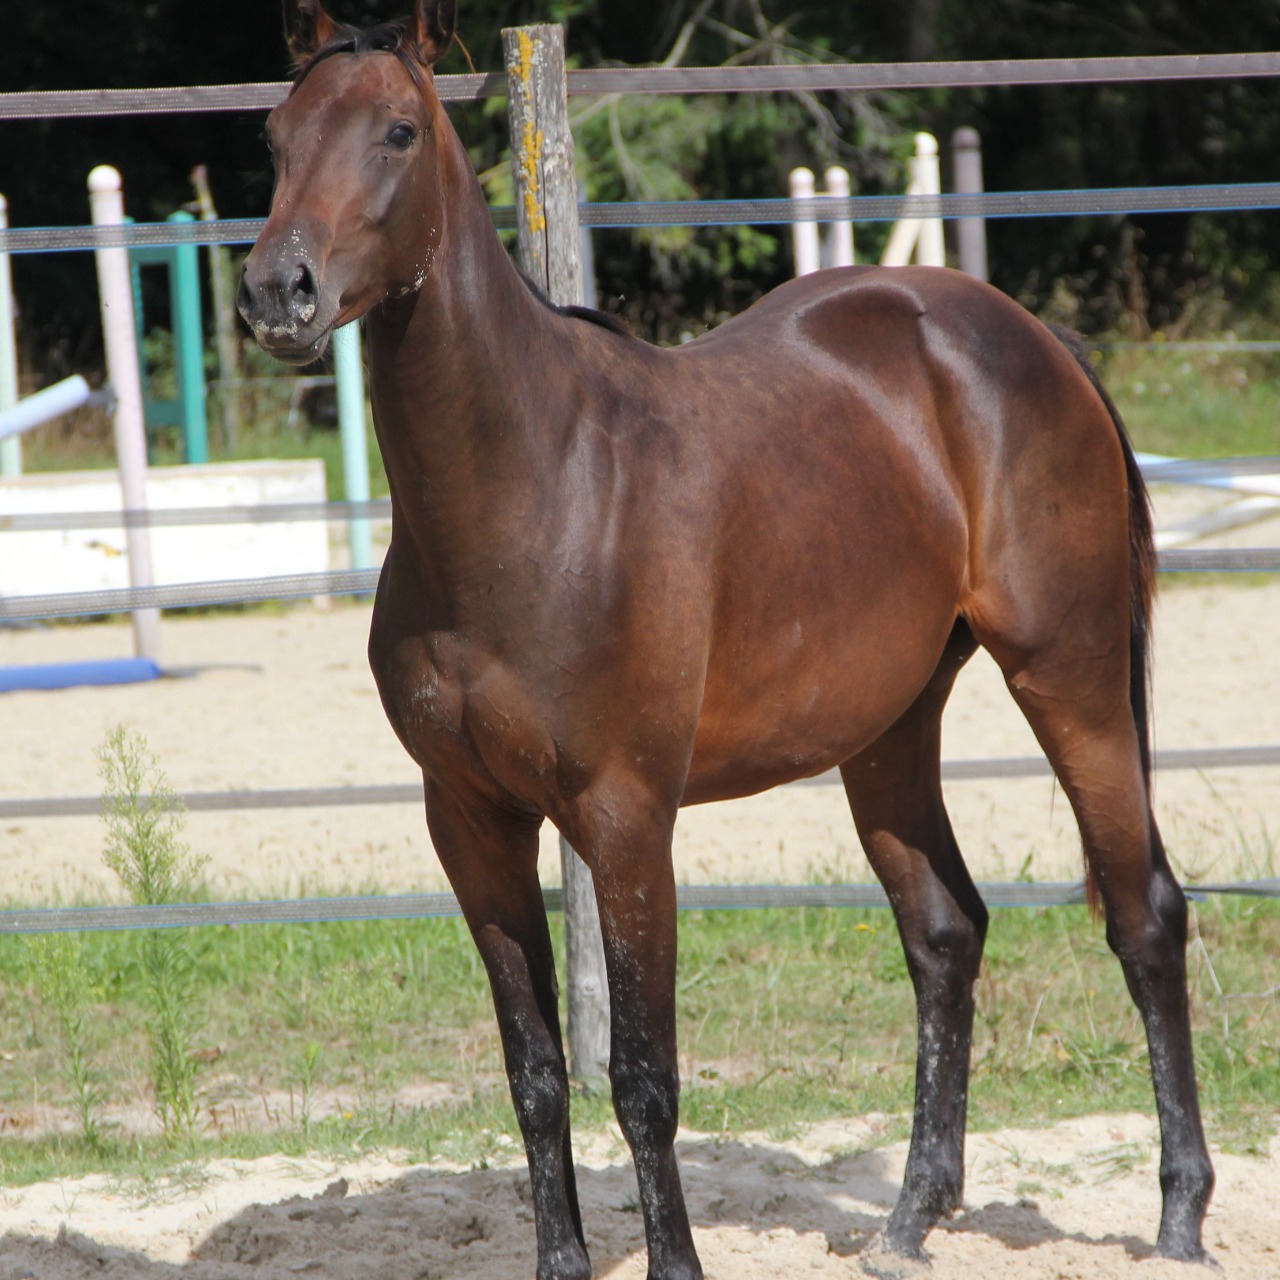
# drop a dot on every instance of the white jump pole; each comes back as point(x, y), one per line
point(927, 181)
point(44, 406)
point(919, 236)
point(804, 235)
point(115, 289)
point(971, 233)
point(839, 233)
point(11, 448)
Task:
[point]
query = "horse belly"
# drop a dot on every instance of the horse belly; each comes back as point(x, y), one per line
point(813, 692)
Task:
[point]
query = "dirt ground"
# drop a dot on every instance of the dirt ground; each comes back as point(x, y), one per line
point(1073, 1201)
point(285, 699)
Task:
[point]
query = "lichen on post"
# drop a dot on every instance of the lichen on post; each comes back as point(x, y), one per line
point(547, 244)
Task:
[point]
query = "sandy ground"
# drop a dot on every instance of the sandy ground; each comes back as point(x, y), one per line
point(286, 700)
point(1068, 1202)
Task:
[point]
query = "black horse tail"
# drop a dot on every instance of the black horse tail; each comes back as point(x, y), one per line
point(1142, 578)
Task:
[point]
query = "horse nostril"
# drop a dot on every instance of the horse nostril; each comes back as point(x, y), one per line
point(302, 293)
point(244, 298)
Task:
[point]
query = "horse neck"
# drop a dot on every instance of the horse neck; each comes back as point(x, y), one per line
point(472, 384)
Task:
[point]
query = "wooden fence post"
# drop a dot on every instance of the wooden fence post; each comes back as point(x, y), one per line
point(548, 249)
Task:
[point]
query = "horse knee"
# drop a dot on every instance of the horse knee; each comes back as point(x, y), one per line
point(540, 1092)
point(646, 1098)
point(1144, 939)
point(944, 949)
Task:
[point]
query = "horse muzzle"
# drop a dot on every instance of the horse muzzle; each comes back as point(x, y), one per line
point(282, 302)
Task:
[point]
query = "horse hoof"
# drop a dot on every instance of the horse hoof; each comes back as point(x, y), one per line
point(1195, 1253)
point(882, 1260)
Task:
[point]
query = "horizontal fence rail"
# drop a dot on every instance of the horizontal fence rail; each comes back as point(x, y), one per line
point(175, 517)
point(302, 586)
point(1234, 197)
point(413, 906)
point(600, 81)
point(1174, 471)
point(411, 792)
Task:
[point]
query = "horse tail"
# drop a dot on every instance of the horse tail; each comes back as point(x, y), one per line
point(1142, 580)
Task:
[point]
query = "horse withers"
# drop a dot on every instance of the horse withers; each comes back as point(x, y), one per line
point(624, 579)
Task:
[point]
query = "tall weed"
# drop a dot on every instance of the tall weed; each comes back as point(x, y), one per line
point(144, 848)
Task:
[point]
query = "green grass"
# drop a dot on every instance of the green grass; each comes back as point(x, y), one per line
point(786, 1018)
point(1196, 404)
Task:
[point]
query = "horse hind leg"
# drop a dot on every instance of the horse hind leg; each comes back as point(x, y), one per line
point(895, 792)
point(1072, 682)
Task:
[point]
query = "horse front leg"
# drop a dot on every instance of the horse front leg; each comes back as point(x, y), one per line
point(491, 859)
point(630, 862)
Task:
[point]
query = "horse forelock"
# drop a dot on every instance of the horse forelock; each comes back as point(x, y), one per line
point(387, 37)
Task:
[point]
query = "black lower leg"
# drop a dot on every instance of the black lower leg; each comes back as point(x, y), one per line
point(944, 950)
point(646, 1099)
point(1153, 956)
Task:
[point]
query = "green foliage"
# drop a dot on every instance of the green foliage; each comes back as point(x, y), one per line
point(1072, 135)
point(63, 983)
point(361, 999)
point(144, 823)
point(144, 849)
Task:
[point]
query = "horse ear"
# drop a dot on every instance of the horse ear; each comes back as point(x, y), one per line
point(432, 26)
point(306, 27)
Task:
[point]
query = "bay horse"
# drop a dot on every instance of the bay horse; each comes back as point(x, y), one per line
point(623, 579)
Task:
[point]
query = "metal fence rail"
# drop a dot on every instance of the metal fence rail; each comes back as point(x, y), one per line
point(1194, 758)
point(630, 214)
point(1175, 471)
point(301, 586)
point(415, 906)
point(594, 82)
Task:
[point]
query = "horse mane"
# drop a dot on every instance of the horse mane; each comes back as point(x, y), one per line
point(386, 37)
point(615, 324)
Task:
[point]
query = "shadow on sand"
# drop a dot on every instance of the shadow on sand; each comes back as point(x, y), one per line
point(428, 1225)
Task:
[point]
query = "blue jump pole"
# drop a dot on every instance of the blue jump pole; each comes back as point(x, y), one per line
point(349, 371)
point(71, 675)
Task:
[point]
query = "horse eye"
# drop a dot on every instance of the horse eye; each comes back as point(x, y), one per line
point(401, 137)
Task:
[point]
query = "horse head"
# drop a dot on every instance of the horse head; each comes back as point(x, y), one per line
point(357, 211)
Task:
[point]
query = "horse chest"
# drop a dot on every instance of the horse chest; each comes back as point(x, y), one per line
point(458, 711)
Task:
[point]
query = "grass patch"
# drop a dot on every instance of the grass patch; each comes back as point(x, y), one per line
point(1196, 404)
point(786, 1018)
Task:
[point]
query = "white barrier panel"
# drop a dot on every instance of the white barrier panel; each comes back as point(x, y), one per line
point(1262, 503)
point(97, 559)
